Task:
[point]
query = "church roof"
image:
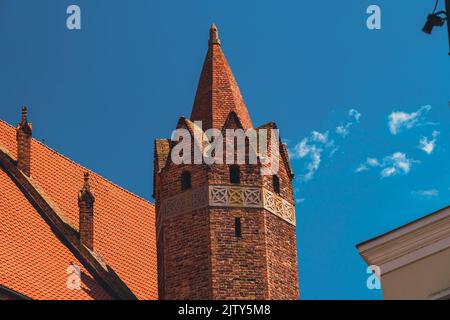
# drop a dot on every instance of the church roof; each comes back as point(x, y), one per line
point(34, 257)
point(33, 261)
point(218, 93)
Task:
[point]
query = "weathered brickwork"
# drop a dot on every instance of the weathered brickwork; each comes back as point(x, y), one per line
point(86, 205)
point(281, 247)
point(217, 91)
point(23, 137)
point(201, 253)
point(185, 268)
point(239, 264)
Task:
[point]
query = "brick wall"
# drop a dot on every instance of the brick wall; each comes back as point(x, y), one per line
point(282, 266)
point(184, 261)
point(218, 93)
point(23, 136)
point(239, 264)
point(199, 255)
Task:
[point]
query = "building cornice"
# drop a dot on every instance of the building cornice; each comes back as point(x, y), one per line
point(409, 243)
point(441, 295)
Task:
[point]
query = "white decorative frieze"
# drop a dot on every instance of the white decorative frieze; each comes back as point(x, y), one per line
point(229, 196)
point(218, 196)
point(185, 202)
point(233, 196)
point(278, 206)
point(252, 197)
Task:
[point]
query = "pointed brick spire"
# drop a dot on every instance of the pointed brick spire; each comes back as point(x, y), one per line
point(218, 93)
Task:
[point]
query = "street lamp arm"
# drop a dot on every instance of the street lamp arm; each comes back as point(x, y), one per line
point(447, 9)
point(442, 12)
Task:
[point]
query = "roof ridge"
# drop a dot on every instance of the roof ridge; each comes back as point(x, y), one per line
point(79, 165)
point(14, 293)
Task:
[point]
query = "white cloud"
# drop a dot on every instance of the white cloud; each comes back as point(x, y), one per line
point(319, 137)
point(428, 145)
point(387, 172)
point(301, 200)
point(373, 162)
point(311, 148)
point(344, 130)
point(396, 163)
point(355, 114)
point(399, 120)
point(426, 193)
point(318, 145)
point(362, 167)
point(333, 151)
point(370, 162)
point(314, 153)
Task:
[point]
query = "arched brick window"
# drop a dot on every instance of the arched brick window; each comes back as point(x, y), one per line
point(186, 180)
point(276, 184)
point(235, 174)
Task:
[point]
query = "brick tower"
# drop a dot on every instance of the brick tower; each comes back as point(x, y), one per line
point(224, 231)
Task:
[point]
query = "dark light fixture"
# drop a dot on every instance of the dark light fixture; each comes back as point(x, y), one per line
point(433, 20)
point(438, 19)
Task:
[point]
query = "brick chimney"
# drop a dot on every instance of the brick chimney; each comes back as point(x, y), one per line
point(86, 206)
point(23, 137)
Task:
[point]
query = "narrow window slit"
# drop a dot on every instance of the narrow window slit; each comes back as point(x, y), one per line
point(276, 184)
point(235, 174)
point(237, 227)
point(186, 180)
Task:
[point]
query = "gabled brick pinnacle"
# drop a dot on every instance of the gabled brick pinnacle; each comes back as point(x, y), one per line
point(23, 136)
point(218, 93)
point(86, 206)
point(102, 272)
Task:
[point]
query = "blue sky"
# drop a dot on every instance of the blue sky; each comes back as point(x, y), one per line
point(103, 94)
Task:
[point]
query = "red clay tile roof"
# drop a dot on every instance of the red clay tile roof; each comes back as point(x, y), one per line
point(33, 261)
point(124, 224)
